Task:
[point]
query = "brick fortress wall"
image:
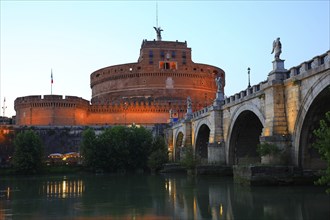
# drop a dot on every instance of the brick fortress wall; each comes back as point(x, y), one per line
point(142, 93)
point(70, 110)
point(164, 71)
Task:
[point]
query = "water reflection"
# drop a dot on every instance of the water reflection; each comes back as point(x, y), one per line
point(217, 199)
point(204, 198)
point(155, 197)
point(63, 188)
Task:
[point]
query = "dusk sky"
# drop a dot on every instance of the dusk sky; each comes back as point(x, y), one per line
point(75, 38)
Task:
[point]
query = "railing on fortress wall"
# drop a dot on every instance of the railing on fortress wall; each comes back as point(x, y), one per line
point(156, 44)
point(167, 73)
point(132, 70)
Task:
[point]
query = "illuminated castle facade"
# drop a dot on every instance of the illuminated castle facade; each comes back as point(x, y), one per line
point(144, 92)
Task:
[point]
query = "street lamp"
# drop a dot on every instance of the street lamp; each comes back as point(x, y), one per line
point(249, 85)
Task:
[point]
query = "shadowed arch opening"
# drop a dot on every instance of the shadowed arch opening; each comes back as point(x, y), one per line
point(309, 156)
point(178, 145)
point(245, 138)
point(202, 142)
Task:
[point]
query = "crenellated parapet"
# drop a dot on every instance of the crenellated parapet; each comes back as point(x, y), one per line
point(139, 105)
point(245, 94)
point(51, 110)
point(310, 66)
point(50, 101)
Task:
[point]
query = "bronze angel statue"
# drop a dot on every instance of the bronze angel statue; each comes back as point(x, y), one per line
point(277, 48)
point(159, 34)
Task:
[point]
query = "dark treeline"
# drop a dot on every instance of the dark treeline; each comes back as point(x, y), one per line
point(122, 148)
point(116, 149)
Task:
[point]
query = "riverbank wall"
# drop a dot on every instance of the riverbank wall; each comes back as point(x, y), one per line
point(260, 175)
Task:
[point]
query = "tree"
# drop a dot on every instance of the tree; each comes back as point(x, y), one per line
point(189, 160)
point(323, 145)
point(159, 154)
point(28, 153)
point(266, 148)
point(116, 149)
point(88, 147)
point(139, 144)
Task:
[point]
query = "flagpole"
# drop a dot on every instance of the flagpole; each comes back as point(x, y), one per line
point(51, 82)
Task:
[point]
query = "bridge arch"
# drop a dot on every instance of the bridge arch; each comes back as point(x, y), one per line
point(178, 142)
point(198, 125)
point(244, 131)
point(202, 141)
point(313, 108)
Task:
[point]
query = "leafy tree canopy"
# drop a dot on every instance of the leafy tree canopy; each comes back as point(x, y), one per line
point(117, 148)
point(28, 154)
point(323, 145)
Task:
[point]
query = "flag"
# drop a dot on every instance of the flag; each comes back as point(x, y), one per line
point(51, 77)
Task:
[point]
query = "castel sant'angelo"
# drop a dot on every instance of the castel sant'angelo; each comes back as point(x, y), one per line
point(151, 91)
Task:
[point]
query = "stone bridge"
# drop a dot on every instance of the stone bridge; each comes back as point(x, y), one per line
point(282, 110)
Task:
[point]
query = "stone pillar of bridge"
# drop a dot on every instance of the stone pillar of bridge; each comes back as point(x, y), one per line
point(276, 126)
point(216, 145)
point(187, 139)
point(170, 143)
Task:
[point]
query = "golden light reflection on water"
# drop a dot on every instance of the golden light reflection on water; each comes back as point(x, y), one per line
point(189, 203)
point(63, 189)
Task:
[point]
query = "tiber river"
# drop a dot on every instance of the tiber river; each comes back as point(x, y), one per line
point(101, 197)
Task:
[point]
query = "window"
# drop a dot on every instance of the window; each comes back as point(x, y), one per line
point(162, 55)
point(151, 53)
point(184, 57)
point(167, 65)
point(173, 54)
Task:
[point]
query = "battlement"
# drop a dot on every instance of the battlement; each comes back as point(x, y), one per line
point(138, 104)
point(50, 101)
point(310, 65)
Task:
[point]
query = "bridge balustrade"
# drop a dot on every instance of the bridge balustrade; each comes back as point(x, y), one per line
point(309, 65)
point(201, 112)
point(249, 91)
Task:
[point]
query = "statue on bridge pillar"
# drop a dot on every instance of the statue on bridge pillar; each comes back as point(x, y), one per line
point(278, 64)
point(218, 81)
point(277, 49)
point(219, 95)
point(189, 108)
point(189, 103)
